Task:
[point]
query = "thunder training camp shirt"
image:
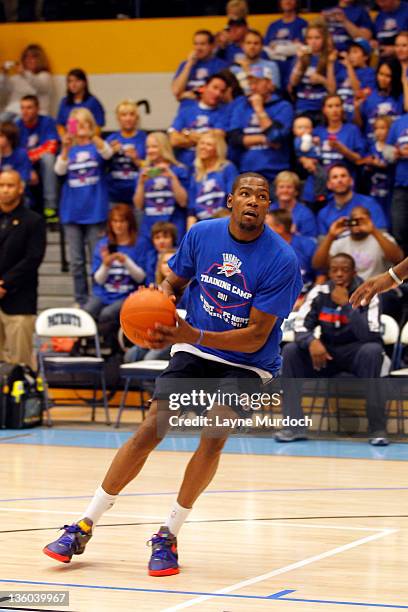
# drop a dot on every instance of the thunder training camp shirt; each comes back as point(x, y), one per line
point(228, 278)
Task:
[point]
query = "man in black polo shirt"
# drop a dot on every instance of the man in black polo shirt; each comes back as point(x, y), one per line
point(22, 247)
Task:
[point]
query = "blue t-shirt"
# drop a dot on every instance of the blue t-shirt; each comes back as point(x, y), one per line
point(160, 204)
point(389, 23)
point(84, 197)
point(309, 97)
point(367, 78)
point(230, 277)
point(32, 137)
point(398, 136)
point(209, 195)
point(303, 218)
point(18, 160)
point(381, 179)
point(231, 54)
point(379, 105)
point(201, 70)
point(349, 135)
point(280, 30)
point(305, 248)
point(91, 103)
point(198, 117)
point(331, 212)
point(358, 16)
point(119, 283)
point(264, 158)
point(122, 172)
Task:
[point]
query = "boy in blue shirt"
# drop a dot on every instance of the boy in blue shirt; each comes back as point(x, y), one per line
point(238, 298)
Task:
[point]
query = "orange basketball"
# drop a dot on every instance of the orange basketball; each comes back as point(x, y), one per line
point(141, 310)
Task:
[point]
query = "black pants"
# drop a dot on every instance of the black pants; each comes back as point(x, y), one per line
point(360, 360)
point(399, 217)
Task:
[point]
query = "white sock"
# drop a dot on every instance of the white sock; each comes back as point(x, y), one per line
point(176, 518)
point(101, 502)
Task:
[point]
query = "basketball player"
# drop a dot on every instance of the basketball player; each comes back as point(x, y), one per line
point(244, 281)
point(380, 284)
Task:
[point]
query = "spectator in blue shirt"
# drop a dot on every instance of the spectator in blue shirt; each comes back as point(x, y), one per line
point(355, 77)
point(392, 18)
point(207, 113)
point(260, 127)
point(232, 51)
point(398, 137)
point(347, 21)
point(200, 64)
point(78, 96)
point(212, 180)
point(84, 198)
point(314, 72)
point(128, 146)
point(343, 199)
point(39, 137)
point(252, 48)
point(386, 99)
point(287, 188)
point(164, 237)
point(13, 157)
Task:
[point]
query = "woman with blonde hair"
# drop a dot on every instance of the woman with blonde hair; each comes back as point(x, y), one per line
point(84, 198)
point(129, 147)
point(212, 180)
point(161, 191)
point(314, 73)
point(29, 76)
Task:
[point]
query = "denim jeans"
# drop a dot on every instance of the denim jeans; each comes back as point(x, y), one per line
point(103, 312)
point(49, 180)
point(399, 217)
point(80, 237)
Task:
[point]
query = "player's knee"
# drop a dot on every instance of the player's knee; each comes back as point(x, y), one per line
point(212, 446)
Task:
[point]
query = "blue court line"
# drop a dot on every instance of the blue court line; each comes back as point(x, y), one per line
point(221, 492)
point(278, 596)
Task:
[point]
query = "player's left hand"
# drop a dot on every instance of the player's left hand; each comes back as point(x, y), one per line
point(162, 335)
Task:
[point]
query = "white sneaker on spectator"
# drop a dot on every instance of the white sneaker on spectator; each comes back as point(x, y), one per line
point(379, 438)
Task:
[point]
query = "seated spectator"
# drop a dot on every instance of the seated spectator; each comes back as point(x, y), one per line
point(84, 200)
point(355, 76)
point(161, 189)
point(287, 188)
point(129, 148)
point(79, 96)
point(378, 166)
point(252, 48)
point(281, 221)
point(343, 199)
point(23, 243)
point(391, 19)
point(164, 238)
point(280, 36)
point(200, 64)
point(385, 100)
point(346, 21)
point(398, 138)
point(39, 137)
point(309, 166)
point(13, 157)
point(32, 77)
point(212, 180)
point(401, 53)
point(350, 341)
point(237, 9)
point(207, 113)
point(116, 269)
point(230, 46)
point(260, 127)
point(314, 73)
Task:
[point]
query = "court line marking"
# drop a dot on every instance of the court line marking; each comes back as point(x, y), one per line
point(280, 597)
point(217, 492)
point(283, 570)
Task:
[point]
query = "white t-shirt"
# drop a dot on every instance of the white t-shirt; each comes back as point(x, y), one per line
point(367, 254)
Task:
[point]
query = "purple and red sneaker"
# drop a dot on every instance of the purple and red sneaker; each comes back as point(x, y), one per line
point(164, 557)
point(71, 542)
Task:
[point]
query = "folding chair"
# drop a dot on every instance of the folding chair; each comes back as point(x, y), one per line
point(70, 323)
point(401, 374)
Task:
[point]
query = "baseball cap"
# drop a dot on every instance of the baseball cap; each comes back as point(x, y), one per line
point(237, 22)
point(362, 43)
point(261, 72)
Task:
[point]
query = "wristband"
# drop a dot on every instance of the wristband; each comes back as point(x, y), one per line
point(394, 277)
point(200, 337)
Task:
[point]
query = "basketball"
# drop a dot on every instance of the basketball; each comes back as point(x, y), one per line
point(141, 310)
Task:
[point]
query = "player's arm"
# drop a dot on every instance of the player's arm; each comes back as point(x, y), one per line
point(380, 284)
point(174, 285)
point(247, 339)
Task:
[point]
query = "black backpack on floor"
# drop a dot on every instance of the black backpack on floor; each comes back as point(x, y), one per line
point(21, 400)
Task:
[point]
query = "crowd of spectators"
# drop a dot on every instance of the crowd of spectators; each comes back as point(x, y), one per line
point(319, 107)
